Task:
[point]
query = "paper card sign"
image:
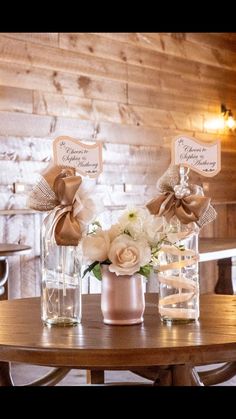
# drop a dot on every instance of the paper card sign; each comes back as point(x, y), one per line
point(203, 158)
point(85, 158)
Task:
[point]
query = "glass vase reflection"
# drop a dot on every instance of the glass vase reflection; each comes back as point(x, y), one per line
point(61, 281)
point(178, 277)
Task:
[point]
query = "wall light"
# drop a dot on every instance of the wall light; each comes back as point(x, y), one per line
point(228, 117)
point(225, 121)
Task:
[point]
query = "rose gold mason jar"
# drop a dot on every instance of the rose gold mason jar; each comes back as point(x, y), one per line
point(122, 299)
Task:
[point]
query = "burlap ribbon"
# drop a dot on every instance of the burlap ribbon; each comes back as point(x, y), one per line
point(57, 192)
point(194, 207)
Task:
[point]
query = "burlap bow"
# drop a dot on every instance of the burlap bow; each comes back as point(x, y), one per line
point(57, 192)
point(194, 207)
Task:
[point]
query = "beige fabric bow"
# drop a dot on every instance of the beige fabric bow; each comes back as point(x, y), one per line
point(57, 192)
point(194, 207)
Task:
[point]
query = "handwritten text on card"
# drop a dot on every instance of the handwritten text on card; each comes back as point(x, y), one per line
point(203, 158)
point(85, 158)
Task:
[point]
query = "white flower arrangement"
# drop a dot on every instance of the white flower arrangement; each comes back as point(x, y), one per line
point(130, 246)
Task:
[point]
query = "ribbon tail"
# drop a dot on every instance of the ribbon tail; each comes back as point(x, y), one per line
point(67, 229)
point(55, 216)
point(77, 205)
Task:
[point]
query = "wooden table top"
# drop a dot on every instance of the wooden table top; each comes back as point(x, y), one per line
point(216, 248)
point(10, 249)
point(92, 344)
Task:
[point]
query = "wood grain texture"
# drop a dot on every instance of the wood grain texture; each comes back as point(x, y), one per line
point(95, 345)
point(176, 44)
point(215, 40)
point(166, 98)
point(98, 110)
point(28, 77)
point(14, 50)
point(218, 375)
point(19, 100)
point(225, 283)
point(43, 38)
point(98, 45)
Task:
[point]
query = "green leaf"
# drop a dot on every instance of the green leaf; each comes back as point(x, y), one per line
point(90, 267)
point(97, 271)
point(145, 270)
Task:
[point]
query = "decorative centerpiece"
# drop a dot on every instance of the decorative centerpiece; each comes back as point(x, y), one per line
point(65, 196)
point(120, 257)
point(185, 210)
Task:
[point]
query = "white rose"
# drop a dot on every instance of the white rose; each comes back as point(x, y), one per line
point(96, 246)
point(127, 255)
point(114, 231)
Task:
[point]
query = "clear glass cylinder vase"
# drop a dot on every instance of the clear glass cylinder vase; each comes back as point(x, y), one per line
point(61, 280)
point(178, 276)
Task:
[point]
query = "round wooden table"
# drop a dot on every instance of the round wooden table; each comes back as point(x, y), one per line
point(150, 348)
point(8, 249)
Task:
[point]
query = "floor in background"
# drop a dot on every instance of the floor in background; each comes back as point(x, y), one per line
point(23, 374)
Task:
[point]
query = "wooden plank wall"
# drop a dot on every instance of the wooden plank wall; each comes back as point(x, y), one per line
point(138, 91)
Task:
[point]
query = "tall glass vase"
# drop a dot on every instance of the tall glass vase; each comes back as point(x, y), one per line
point(178, 277)
point(61, 280)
